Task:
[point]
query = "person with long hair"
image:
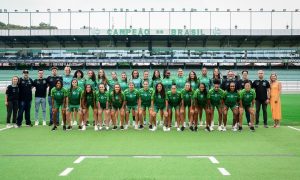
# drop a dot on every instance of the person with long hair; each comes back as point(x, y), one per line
point(91, 79)
point(103, 106)
point(275, 102)
point(80, 78)
point(58, 94)
point(179, 80)
point(132, 102)
point(146, 78)
point(102, 78)
point(123, 82)
point(193, 80)
point(200, 103)
point(155, 78)
point(231, 101)
point(135, 78)
point(145, 101)
point(158, 103)
point(88, 100)
point(247, 101)
point(174, 101)
point(73, 103)
point(117, 101)
point(215, 98)
point(114, 80)
point(11, 102)
point(186, 104)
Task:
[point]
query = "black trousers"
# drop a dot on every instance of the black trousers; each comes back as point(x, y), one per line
point(24, 106)
point(262, 104)
point(12, 109)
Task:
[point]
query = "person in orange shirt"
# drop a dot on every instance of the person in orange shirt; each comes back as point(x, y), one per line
point(275, 102)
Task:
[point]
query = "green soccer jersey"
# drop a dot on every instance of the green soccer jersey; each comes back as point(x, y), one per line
point(173, 99)
point(74, 96)
point(137, 83)
point(205, 80)
point(81, 83)
point(67, 81)
point(180, 82)
point(194, 85)
point(167, 82)
point(159, 101)
point(215, 97)
point(89, 81)
point(186, 96)
point(116, 100)
point(145, 96)
point(111, 84)
point(131, 97)
point(231, 99)
point(102, 98)
point(90, 98)
point(58, 95)
point(154, 82)
point(123, 85)
point(200, 98)
point(247, 96)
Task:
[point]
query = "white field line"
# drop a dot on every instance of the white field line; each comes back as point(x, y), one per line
point(5, 128)
point(147, 157)
point(66, 172)
point(294, 128)
point(211, 158)
point(224, 172)
point(81, 158)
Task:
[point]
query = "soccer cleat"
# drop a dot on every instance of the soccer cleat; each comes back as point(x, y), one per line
point(74, 123)
point(240, 128)
point(207, 129)
point(83, 128)
point(168, 129)
point(178, 129)
point(44, 123)
point(196, 129)
point(36, 123)
point(165, 128)
point(220, 128)
point(96, 128)
point(252, 129)
point(211, 128)
point(141, 127)
point(54, 128)
point(150, 127)
point(182, 128)
point(69, 128)
point(122, 128)
point(154, 128)
point(136, 127)
point(114, 128)
point(191, 128)
point(126, 127)
point(100, 128)
point(79, 127)
point(266, 126)
point(224, 129)
point(64, 128)
point(107, 127)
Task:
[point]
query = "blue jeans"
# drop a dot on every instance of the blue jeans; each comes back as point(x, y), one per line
point(24, 106)
point(50, 109)
point(39, 101)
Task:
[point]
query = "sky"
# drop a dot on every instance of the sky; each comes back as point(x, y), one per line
point(158, 20)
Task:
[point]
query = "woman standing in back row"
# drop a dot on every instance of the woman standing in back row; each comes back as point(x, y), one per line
point(275, 101)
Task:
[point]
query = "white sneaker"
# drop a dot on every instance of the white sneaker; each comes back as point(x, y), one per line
point(178, 129)
point(44, 123)
point(234, 129)
point(224, 128)
point(100, 128)
point(211, 128)
point(126, 127)
point(168, 129)
point(8, 126)
point(220, 128)
point(154, 128)
point(15, 126)
point(136, 126)
point(36, 123)
point(83, 128)
point(165, 128)
point(74, 123)
point(96, 128)
point(107, 127)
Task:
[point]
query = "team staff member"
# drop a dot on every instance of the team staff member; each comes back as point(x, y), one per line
point(11, 101)
point(226, 82)
point(58, 95)
point(262, 90)
point(41, 86)
point(25, 89)
point(247, 101)
point(51, 80)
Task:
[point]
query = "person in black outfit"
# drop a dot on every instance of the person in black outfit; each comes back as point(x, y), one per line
point(41, 86)
point(25, 89)
point(226, 82)
point(262, 89)
point(241, 86)
point(11, 101)
point(51, 80)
